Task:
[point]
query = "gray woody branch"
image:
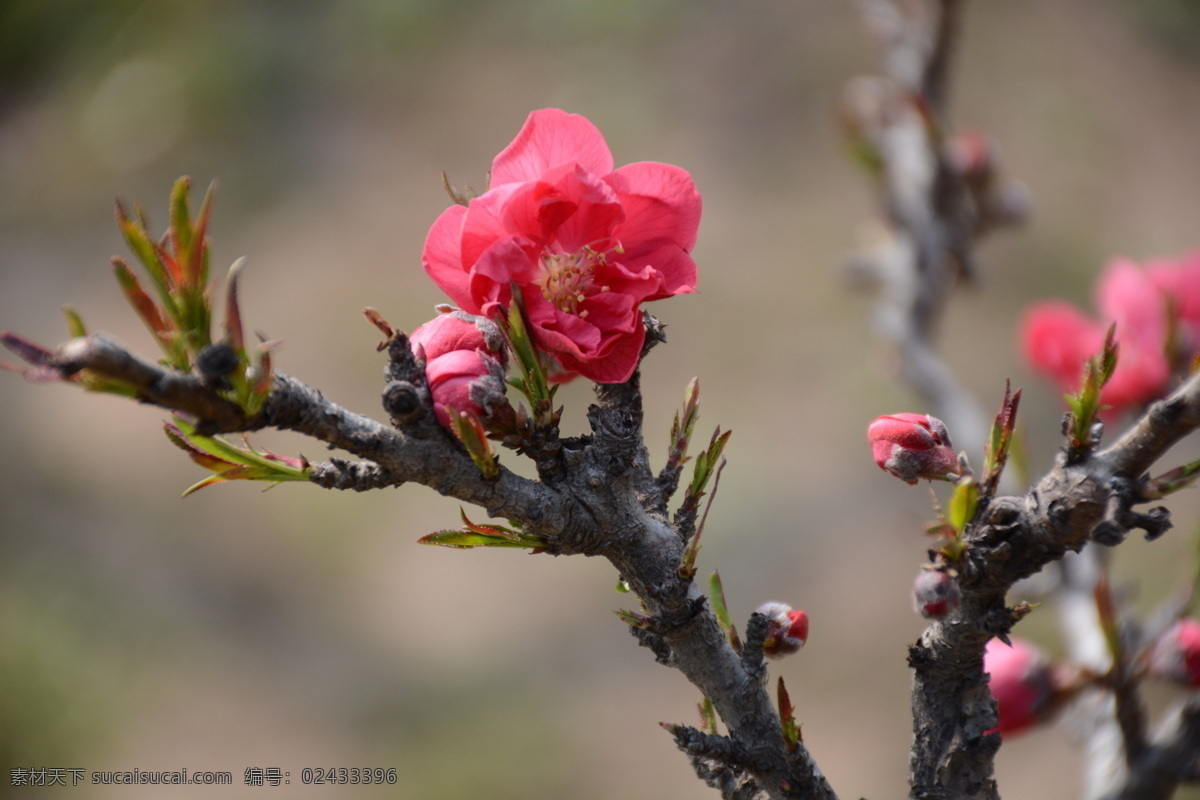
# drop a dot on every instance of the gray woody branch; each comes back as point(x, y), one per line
point(601, 499)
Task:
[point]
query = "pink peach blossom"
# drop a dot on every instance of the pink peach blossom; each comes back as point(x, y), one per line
point(1156, 310)
point(586, 245)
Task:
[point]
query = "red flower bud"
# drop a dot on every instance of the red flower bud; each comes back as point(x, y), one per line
point(465, 380)
point(1022, 681)
point(455, 329)
point(913, 446)
point(787, 629)
point(935, 594)
point(1176, 656)
point(464, 362)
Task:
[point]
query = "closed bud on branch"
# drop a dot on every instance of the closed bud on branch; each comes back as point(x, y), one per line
point(464, 363)
point(935, 593)
point(787, 629)
point(913, 446)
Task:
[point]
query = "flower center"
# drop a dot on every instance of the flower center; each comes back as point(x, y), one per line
point(567, 277)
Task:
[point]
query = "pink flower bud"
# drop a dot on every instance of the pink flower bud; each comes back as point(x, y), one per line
point(455, 329)
point(1176, 656)
point(1021, 680)
point(787, 629)
point(464, 362)
point(465, 380)
point(913, 446)
point(935, 594)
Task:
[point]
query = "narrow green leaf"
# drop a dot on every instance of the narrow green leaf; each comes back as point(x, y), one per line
point(270, 467)
point(146, 308)
point(180, 228)
point(707, 461)
point(465, 540)
point(534, 382)
point(997, 448)
point(682, 427)
point(234, 336)
point(1171, 482)
point(195, 257)
point(236, 473)
point(75, 324)
point(204, 459)
point(470, 432)
point(708, 717)
point(716, 594)
point(963, 503)
point(787, 717)
point(139, 242)
point(633, 619)
point(474, 534)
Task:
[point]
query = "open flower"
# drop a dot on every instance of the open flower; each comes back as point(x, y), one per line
point(1156, 310)
point(584, 244)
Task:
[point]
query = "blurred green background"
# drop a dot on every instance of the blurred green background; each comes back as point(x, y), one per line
point(300, 628)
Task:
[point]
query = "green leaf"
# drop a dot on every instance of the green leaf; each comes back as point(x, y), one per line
point(1085, 404)
point(75, 324)
point(180, 227)
point(787, 718)
point(681, 429)
point(230, 462)
point(234, 336)
point(478, 535)
point(470, 432)
point(1000, 439)
point(467, 539)
point(963, 503)
point(708, 717)
point(716, 594)
point(147, 310)
point(634, 620)
point(707, 461)
point(195, 256)
point(533, 382)
point(1170, 482)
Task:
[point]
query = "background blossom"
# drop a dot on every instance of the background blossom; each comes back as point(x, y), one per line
point(1156, 310)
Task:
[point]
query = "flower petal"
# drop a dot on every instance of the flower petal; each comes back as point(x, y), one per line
point(1057, 339)
point(1126, 295)
point(661, 206)
point(615, 363)
point(442, 257)
point(549, 138)
point(661, 273)
point(598, 211)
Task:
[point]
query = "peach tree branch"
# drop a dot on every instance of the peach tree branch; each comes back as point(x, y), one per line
point(604, 501)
